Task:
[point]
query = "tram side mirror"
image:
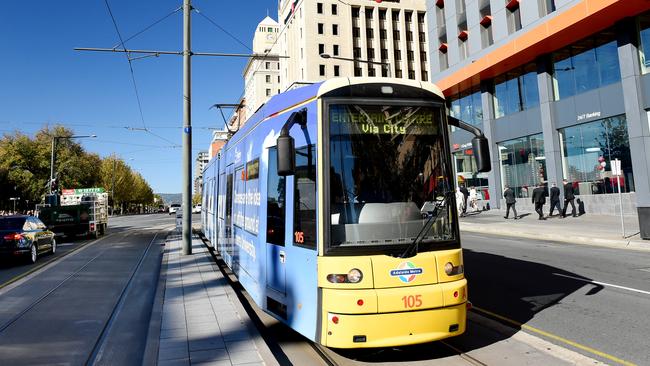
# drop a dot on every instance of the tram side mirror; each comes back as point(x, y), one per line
point(286, 156)
point(481, 153)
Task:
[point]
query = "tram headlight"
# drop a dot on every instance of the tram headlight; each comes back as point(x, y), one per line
point(452, 270)
point(354, 276)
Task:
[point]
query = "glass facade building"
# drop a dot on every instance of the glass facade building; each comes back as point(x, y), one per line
point(560, 98)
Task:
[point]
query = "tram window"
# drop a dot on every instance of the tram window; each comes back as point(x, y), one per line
point(276, 201)
point(252, 197)
point(220, 196)
point(240, 197)
point(304, 213)
point(228, 208)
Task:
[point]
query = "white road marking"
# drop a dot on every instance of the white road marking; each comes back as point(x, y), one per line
point(604, 284)
point(64, 244)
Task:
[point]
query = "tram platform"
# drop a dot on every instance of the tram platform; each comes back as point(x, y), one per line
point(201, 320)
point(599, 230)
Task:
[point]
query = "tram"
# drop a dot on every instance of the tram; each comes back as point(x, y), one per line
point(333, 205)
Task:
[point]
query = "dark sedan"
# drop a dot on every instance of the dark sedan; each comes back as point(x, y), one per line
point(25, 237)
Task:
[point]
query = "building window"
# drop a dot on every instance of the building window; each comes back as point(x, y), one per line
point(321, 48)
point(409, 36)
point(370, 33)
point(334, 9)
point(336, 50)
point(423, 56)
point(523, 164)
point(383, 34)
point(587, 151)
point(356, 52)
point(267, 65)
point(513, 16)
point(397, 55)
point(336, 70)
point(268, 78)
point(467, 106)
point(268, 92)
point(371, 71)
point(319, 8)
point(355, 12)
point(516, 91)
point(321, 70)
point(398, 73)
point(371, 53)
point(278, 78)
point(320, 28)
point(409, 55)
point(335, 29)
point(384, 70)
point(357, 71)
point(425, 75)
point(644, 37)
point(384, 54)
point(382, 14)
point(356, 32)
point(411, 74)
point(396, 35)
point(546, 7)
point(586, 65)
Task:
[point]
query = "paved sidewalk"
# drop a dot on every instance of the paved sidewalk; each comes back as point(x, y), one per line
point(202, 322)
point(587, 229)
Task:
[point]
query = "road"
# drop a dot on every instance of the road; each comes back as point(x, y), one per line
point(590, 299)
point(89, 307)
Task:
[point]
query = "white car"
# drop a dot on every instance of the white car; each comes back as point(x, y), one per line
point(174, 207)
point(196, 209)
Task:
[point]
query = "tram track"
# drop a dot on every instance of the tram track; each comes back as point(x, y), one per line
point(82, 275)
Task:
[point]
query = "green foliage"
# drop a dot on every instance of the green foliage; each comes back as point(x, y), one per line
point(25, 169)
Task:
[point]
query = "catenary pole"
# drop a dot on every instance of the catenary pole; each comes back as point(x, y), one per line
point(187, 129)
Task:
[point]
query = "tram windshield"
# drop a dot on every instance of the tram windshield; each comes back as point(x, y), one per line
point(388, 170)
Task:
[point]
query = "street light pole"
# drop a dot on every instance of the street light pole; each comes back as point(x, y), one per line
point(187, 129)
point(383, 64)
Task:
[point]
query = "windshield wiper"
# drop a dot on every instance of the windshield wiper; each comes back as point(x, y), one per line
point(412, 249)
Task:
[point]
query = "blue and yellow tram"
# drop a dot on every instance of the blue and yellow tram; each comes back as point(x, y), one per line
point(333, 207)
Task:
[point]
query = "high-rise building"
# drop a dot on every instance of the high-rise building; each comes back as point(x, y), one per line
point(201, 161)
point(561, 89)
point(390, 33)
point(261, 74)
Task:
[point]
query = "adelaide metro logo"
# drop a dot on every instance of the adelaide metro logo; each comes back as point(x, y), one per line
point(406, 271)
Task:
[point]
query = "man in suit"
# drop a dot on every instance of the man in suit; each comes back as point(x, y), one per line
point(569, 197)
point(539, 199)
point(555, 200)
point(509, 196)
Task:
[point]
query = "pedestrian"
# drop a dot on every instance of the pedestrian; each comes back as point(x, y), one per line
point(569, 197)
point(539, 199)
point(465, 193)
point(509, 196)
point(473, 199)
point(460, 198)
point(555, 200)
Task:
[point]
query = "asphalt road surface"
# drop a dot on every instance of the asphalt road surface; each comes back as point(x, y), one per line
point(593, 300)
point(90, 307)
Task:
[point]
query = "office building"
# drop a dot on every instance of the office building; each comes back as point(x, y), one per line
point(201, 161)
point(391, 34)
point(561, 89)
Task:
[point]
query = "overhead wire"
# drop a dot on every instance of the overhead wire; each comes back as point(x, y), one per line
point(221, 28)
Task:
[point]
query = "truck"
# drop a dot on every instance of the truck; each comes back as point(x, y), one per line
point(78, 211)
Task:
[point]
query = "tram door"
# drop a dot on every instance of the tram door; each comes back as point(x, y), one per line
point(276, 215)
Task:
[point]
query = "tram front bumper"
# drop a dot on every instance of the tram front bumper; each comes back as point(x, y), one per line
point(395, 329)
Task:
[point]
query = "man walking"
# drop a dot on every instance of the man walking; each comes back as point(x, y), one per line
point(569, 197)
point(539, 199)
point(465, 193)
point(555, 200)
point(509, 196)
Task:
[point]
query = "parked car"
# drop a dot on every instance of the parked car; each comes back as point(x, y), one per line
point(174, 207)
point(196, 209)
point(25, 237)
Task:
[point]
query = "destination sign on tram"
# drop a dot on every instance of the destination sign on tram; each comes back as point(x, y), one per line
point(383, 120)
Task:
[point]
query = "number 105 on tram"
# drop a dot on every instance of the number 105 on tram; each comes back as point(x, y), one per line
point(333, 205)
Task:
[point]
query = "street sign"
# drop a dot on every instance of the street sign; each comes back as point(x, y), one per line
point(616, 167)
point(66, 192)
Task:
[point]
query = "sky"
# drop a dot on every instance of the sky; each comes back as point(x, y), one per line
point(44, 81)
